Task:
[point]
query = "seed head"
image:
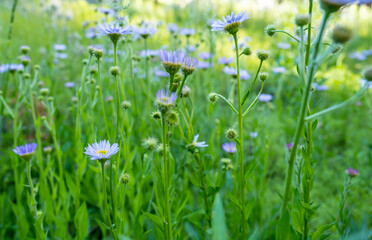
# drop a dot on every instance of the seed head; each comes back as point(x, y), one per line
point(172, 118)
point(156, 115)
point(125, 178)
point(150, 143)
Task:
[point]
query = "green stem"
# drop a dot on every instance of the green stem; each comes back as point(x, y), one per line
point(12, 19)
point(204, 187)
point(254, 81)
point(167, 212)
point(309, 33)
point(105, 198)
point(102, 102)
point(301, 119)
point(241, 140)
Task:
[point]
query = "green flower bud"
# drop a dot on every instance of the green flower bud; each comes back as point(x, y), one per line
point(126, 105)
point(177, 78)
point(172, 118)
point(37, 67)
point(25, 49)
point(150, 143)
point(270, 30)
point(341, 34)
point(367, 74)
point(27, 76)
point(125, 178)
point(185, 92)
point(156, 115)
point(115, 70)
point(263, 55)
point(302, 20)
point(44, 91)
point(231, 134)
point(47, 149)
point(212, 97)
point(263, 76)
point(85, 62)
point(247, 51)
point(98, 53)
point(93, 71)
point(50, 99)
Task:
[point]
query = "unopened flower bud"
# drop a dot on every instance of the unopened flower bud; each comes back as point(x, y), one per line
point(25, 49)
point(115, 70)
point(47, 149)
point(172, 118)
point(270, 30)
point(341, 34)
point(302, 20)
point(37, 67)
point(44, 91)
point(185, 92)
point(156, 115)
point(27, 76)
point(125, 178)
point(367, 74)
point(212, 97)
point(150, 143)
point(126, 105)
point(50, 99)
point(93, 71)
point(177, 78)
point(263, 76)
point(247, 51)
point(263, 55)
point(85, 62)
point(98, 53)
point(231, 133)
point(74, 99)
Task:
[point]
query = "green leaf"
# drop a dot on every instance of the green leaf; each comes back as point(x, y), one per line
point(155, 219)
point(219, 229)
point(308, 208)
point(297, 220)
point(320, 230)
point(283, 227)
point(81, 221)
point(234, 200)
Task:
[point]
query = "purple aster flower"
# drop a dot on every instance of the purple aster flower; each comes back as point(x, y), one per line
point(15, 67)
point(109, 99)
point(367, 52)
point(279, 69)
point(254, 134)
point(358, 56)
point(187, 32)
point(320, 87)
point(230, 23)
point(282, 45)
point(230, 71)
point(189, 65)
point(244, 75)
point(172, 28)
point(146, 30)
point(4, 68)
point(364, 82)
point(60, 55)
point(352, 172)
point(114, 31)
point(165, 97)
point(205, 55)
point(26, 151)
point(69, 84)
point(59, 47)
point(172, 61)
point(229, 147)
point(290, 145)
point(91, 33)
point(192, 48)
point(160, 73)
point(101, 150)
point(149, 53)
point(264, 97)
point(225, 61)
point(198, 144)
point(204, 65)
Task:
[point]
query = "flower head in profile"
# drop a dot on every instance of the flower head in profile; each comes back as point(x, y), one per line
point(172, 28)
point(187, 32)
point(146, 30)
point(113, 31)
point(26, 151)
point(230, 23)
point(352, 172)
point(225, 61)
point(189, 65)
point(193, 147)
point(335, 5)
point(264, 97)
point(172, 61)
point(165, 98)
point(101, 151)
point(205, 55)
point(229, 147)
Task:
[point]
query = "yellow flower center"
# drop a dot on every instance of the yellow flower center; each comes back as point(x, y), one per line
point(165, 99)
point(102, 151)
